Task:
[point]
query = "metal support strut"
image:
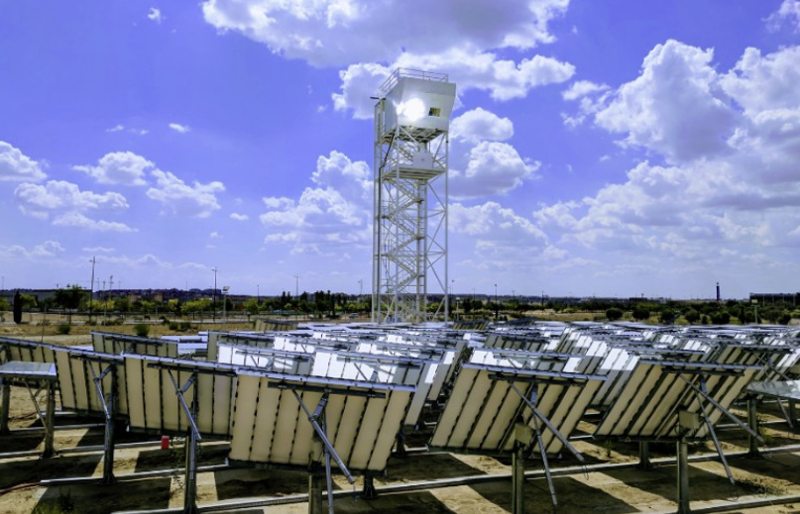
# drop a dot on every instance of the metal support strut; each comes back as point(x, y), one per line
point(788, 414)
point(317, 420)
point(536, 417)
point(752, 420)
point(712, 433)
point(644, 455)
point(190, 492)
point(523, 437)
point(683, 476)
point(369, 490)
point(5, 402)
point(701, 393)
point(109, 411)
point(49, 420)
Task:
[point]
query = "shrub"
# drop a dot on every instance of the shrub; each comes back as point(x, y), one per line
point(141, 330)
point(720, 318)
point(613, 314)
point(667, 316)
point(64, 328)
point(179, 326)
point(692, 316)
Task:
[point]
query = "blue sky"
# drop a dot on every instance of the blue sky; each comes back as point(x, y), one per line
point(613, 148)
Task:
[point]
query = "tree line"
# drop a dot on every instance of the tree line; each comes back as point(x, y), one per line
point(328, 305)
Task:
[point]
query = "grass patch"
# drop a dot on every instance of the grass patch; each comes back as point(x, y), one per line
point(61, 505)
point(760, 487)
point(141, 330)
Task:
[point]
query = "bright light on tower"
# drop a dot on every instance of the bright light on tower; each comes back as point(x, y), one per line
point(412, 110)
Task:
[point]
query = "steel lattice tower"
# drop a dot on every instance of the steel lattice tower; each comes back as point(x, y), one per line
point(412, 123)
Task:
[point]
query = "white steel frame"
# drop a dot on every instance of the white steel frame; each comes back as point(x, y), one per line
point(410, 215)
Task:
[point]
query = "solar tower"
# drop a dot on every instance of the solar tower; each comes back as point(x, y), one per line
point(409, 264)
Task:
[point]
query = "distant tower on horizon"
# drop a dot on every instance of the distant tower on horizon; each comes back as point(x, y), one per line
point(718, 297)
point(412, 124)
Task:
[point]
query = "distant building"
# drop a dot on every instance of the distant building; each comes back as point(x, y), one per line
point(774, 298)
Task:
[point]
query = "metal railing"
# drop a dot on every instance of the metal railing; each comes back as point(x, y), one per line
point(399, 73)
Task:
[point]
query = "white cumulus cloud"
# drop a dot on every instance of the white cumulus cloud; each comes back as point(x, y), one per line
point(340, 32)
point(198, 200)
point(66, 203)
point(368, 38)
point(723, 181)
point(675, 107)
point(16, 166)
point(493, 168)
point(79, 220)
point(788, 12)
point(581, 88)
point(760, 83)
point(48, 248)
point(335, 213)
point(497, 238)
point(177, 127)
point(58, 195)
point(122, 168)
point(481, 125)
point(155, 15)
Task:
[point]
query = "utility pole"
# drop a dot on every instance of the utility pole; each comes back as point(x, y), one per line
point(110, 287)
point(496, 307)
point(91, 288)
point(214, 296)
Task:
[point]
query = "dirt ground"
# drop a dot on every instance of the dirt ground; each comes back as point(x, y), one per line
point(35, 330)
point(617, 490)
point(620, 490)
